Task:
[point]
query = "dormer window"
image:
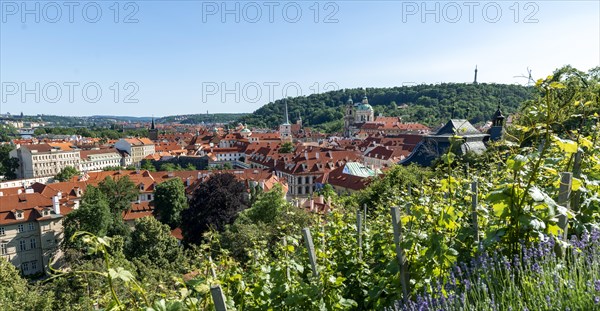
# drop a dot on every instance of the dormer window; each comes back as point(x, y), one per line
point(19, 215)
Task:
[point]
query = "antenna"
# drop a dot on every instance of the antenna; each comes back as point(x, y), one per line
point(529, 78)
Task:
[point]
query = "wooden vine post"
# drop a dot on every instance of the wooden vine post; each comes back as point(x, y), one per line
point(359, 228)
point(218, 298)
point(564, 194)
point(397, 225)
point(311, 250)
point(474, 203)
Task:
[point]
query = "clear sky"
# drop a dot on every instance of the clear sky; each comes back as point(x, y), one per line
point(180, 57)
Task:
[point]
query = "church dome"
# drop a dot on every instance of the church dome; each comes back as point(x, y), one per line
point(364, 107)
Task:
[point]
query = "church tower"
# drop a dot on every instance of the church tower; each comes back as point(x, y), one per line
point(285, 129)
point(348, 117)
point(153, 132)
point(497, 129)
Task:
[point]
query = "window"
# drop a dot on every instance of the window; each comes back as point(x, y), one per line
point(22, 245)
point(149, 197)
point(19, 215)
point(34, 265)
point(31, 226)
point(33, 243)
point(3, 250)
point(20, 228)
point(25, 267)
point(2, 232)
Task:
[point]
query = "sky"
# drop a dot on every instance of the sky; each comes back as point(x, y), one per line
point(142, 58)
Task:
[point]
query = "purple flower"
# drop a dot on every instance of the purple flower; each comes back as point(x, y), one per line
point(596, 300)
point(597, 285)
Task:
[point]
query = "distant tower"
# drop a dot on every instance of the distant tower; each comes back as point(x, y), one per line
point(475, 81)
point(285, 129)
point(153, 132)
point(299, 121)
point(497, 128)
point(348, 117)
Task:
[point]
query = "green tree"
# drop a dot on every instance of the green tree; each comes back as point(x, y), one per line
point(120, 192)
point(152, 243)
point(215, 204)
point(66, 174)
point(168, 167)
point(8, 165)
point(93, 215)
point(147, 165)
point(287, 147)
point(14, 292)
point(170, 201)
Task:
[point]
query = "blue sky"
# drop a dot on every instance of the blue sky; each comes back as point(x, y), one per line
point(178, 57)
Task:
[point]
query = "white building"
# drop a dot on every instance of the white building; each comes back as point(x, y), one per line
point(97, 160)
point(42, 160)
point(137, 148)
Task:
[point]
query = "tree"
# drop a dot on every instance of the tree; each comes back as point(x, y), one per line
point(66, 174)
point(147, 165)
point(93, 215)
point(215, 204)
point(152, 243)
point(287, 147)
point(14, 292)
point(8, 165)
point(120, 192)
point(169, 167)
point(170, 201)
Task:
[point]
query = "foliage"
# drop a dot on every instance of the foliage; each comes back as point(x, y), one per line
point(7, 132)
point(213, 205)
point(152, 243)
point(427, 104)
point(120, 192)
point(66, 174)
point(93, 215)
point(14, 292)
point(286, 147)
point(535, 279)
point(170, 201)
point(8, 165)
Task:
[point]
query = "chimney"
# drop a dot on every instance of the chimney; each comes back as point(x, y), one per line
point(317, 155)
point(75, 204)
point(19, 191)
point(1, 194)
point(306, 155)
point(59, 195)
point(56, 204)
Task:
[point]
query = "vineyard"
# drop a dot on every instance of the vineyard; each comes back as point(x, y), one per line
point(515, 228)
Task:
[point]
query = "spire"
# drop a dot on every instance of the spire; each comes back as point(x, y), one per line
point(475, 81)
point(152, 126)
point(287, 120)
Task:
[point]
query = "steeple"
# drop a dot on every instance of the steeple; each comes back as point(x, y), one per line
point(287, 119)
point(152, 126)
point(475, 81)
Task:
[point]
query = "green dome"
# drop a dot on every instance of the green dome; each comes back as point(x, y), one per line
point(364, 107)
point(245, 130)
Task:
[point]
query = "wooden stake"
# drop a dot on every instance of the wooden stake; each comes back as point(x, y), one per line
point(311, 250)
point(564, 193)
point(359, 228)
point(474, 203)
point(577, 174)
point(218, 298)
point(397, 225)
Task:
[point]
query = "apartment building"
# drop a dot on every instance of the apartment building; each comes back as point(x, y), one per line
point(137, 148)
point(31, 230)
point(41, 160)
point(97, 160)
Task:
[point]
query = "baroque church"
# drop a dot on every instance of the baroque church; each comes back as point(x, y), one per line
point(356, 115)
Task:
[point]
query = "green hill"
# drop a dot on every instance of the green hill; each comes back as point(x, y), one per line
point(428, 104)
